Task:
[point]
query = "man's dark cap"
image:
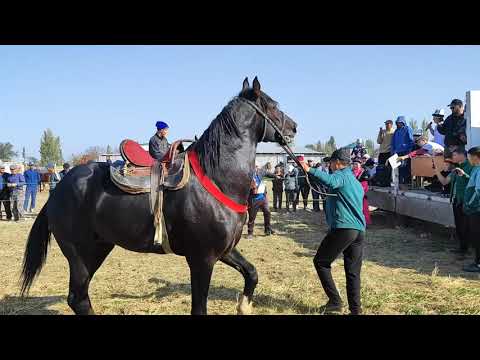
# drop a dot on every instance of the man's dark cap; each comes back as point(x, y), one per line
point(460, 149)
point(456, 102)
point(30, 163)
point(447, 153)
point(389, 122)
point(342, 154)
point(474, 151)
point(66, 166)
point(326, 159)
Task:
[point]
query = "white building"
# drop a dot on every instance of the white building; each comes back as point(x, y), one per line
point(274, 154)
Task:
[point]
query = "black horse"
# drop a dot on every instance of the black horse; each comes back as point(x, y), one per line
point(89, 215)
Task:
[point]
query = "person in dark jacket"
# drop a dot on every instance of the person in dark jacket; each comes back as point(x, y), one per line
point(5, 193)
point(258, 200)
point(359, 150)
point(158, 145)
point(454, 126)
point(66, 169)
point(402, 144)
point(53, 178)
point(457, 190)
point(291, 187)
point(316, 186)
point(16, 182)
point(32, 177)
point(277, 187)
point(471, 206)
point(346, 231)
point(303, 187)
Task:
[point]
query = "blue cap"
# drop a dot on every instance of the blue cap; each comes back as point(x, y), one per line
point(161, 125)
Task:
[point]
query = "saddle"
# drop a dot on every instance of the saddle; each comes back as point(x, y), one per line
point(139, 170)
point(140, 173)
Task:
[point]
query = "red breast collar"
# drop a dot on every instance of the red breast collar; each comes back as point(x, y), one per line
point(211, 187)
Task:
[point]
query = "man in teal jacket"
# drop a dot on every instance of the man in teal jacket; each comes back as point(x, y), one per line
point(471, 206)
point(346, 232)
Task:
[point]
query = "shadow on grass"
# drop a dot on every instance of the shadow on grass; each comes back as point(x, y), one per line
point(15, 305)
point(414, 244)
point(220, 293)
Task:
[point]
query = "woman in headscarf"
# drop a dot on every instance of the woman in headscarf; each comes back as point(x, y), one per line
point(362, 175)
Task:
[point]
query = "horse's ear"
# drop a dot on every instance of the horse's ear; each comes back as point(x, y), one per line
point(256, 87)
point(245, 85)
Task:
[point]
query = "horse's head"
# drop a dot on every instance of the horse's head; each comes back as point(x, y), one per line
point(283, 129)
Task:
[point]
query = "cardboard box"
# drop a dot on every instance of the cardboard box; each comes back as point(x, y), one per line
point(422, 165)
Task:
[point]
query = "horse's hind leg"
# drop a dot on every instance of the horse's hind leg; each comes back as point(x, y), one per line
point(83, 265)
point(238, 262)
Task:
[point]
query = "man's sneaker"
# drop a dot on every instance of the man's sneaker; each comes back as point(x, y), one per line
point(249, 237)
point(472, 268)
point(356, 312)
point(269, 232)
point(331, 307)
point(459, 251)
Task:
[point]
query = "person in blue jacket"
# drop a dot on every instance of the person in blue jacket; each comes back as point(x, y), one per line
point(32, 178)
point(346, 223)
point(16, 182)
point(403, 144)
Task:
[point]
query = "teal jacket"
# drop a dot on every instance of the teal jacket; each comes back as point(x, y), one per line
point(471, 201)
point(343, 211)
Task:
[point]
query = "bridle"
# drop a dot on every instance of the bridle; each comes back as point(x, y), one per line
point(285, 141)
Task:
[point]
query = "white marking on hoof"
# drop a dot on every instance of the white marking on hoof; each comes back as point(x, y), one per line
point(244, 307)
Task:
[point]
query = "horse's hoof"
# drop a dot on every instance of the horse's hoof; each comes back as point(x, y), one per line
point(244, 307)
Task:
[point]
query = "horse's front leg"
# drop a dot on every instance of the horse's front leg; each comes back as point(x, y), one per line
point(200, 273)
point(236, 260)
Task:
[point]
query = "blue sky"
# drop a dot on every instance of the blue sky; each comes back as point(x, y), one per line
point(99, 95)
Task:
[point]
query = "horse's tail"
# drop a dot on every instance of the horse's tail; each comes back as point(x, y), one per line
point(36, 250)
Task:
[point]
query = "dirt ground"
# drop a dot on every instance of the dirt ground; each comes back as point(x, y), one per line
point(407, 270)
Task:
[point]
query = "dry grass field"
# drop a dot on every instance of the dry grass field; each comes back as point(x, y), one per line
point(403, 273)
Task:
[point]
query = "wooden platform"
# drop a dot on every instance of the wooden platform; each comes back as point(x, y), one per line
point(419, 204)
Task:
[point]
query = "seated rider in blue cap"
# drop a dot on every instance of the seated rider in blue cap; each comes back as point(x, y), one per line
point(158, 145)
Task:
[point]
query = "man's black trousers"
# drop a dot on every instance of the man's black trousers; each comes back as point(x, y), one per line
point(252, 215)
point(461, 226)
point(350, 243)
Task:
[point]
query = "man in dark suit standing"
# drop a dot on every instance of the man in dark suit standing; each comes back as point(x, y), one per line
point(5, 193)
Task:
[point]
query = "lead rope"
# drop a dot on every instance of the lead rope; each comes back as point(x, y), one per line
point(285, 145)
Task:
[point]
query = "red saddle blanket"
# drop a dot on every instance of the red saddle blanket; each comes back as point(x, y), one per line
point(135, 154)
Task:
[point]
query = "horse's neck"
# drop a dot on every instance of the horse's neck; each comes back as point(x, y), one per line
point(237, 168)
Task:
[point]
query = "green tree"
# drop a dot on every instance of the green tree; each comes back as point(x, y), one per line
point(425, 123)
point(50, 148)
point(32, 159)
point(369, 145)
point(330, 146)
point(109, 149)
point(94, 152)
point(6, 152)
point(413, 124)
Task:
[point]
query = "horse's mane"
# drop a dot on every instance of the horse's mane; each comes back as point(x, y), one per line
point(208, 147)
